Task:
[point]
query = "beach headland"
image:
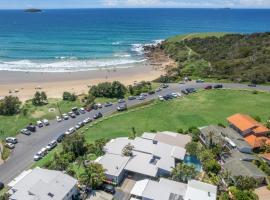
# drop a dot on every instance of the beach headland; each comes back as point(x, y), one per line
point(24, 84)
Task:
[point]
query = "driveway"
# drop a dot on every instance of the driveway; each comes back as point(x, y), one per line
point(22, 156)
point(100, 195)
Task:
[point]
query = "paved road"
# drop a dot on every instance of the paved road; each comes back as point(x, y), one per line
point(22, 156)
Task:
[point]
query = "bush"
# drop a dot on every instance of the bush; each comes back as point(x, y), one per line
point(139, 88)
point(10, 105)
point(108, 90)
point(180, 130)
point(40, 99)
point(67, 96)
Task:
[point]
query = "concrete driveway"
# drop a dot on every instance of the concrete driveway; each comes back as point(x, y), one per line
point(100, 195)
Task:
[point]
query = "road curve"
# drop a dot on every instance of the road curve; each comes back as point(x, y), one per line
point(22, 156)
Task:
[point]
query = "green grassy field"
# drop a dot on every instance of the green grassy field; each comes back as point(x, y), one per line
point(10, 125)
point(200, 109)
point(193, 35)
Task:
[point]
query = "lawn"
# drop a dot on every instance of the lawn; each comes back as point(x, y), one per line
point(11, 125)
point(201, 109)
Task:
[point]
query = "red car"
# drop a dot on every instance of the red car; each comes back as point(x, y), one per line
point(209, 87)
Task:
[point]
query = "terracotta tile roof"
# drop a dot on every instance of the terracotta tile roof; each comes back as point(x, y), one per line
point(266, 156)
point(245, 122)
point(255, 141)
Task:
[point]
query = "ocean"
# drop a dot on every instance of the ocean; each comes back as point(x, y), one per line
point(87, 39)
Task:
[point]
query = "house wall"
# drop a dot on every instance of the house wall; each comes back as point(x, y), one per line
point(71, 194)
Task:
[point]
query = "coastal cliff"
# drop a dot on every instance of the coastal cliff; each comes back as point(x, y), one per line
point(235, 57)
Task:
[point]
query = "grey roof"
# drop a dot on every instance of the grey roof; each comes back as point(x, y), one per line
point(199, 190)
point(149, 136)
point(174, 139)
point(165, 189)
point(236, 138)
point(216, 133)
point(113, 164)
point(40, 183)
point(237, 155)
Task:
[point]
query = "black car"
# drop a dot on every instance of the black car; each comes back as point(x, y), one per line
point(184, 91)
point(168, 97)
point(25, 132)
point(191, 90)
point(151, 92)
point(108, 104)
point(72, 114)
point(98, 115)
point(218, 86)
point(31, 128)
point(121, 101)
point(108, 188)
point(122, 108)
point(1, 186)
point(131, 98)
point(165, 85)
point(60, 138)
point(252, 85)
point(94, 107)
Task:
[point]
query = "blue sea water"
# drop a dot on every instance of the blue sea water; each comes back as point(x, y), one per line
point(85, 39)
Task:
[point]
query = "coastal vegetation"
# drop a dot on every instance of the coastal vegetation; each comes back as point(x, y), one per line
point(10, 106)
point(219, 56)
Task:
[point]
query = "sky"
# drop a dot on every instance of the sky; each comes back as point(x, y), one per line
point(21, 4)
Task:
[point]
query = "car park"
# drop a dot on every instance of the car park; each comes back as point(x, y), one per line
point(218, 86)
point(208, 87)
point(10, 145)
point(39, 124)
point(11, 140)
point(199, 81)
point(141, 98)
point(65, 116)
point(122, 108)
point(108, 188)
point(161, 98)
point(121, 101)
point(98, 115)
point(46, 122)
point(51, 145)
point(252, 85)
point(25, 131)
point(60, 138)
point(82, 110)
point(108, 104)
point(58, 119)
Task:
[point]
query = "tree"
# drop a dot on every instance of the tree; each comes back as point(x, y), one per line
point(243, 194)
point(76, 144)
point(118, 90)
point(211, 166)
point(183, 172)
point(245, 182)
point(224, 196)
point(67, 96)
point(10, 105)
point(90, 100)
point(40, 98)
point(127, 150)
point(93, 176)
point(193, 148)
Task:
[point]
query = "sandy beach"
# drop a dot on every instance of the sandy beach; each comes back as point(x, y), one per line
point(24, 84)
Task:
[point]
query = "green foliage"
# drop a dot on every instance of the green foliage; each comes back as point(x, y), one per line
point(243, 194)
point(209, 162)
point(245, 183)
point(40, 99)
point(193, 148)
point(183, 172)
point(10, 105)
point(75, 144)
point(257, 118)
point(139, 88)
point(195, 132)
point(224, 196)
point(67, 96)
point(97, 147)
point(234, 57)
point(108, 90)
point(93, 176)
point(127, 150)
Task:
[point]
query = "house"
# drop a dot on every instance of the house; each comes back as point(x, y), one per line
point(253, 132)
point(43, 184)
point(166, 189)
point(226, 136)
point(153, 155)
point(266, 157)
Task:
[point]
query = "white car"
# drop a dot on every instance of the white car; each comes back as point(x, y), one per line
point(70, 131)
point(99, 105)
point(65, 116)
point(58, 119)
point(11, 140)
point(46, 122)
point(39, 124)
point(82, 110)
point(161, 98)
point(44, 151)
point(51, 145)
point(10, 145)
point(37, 157)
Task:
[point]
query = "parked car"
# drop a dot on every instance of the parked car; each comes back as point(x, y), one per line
point(82, 110)
point(99, 105)
point(65, 116)
point(108, 104)
point(94, 107)
point(190, 90)
point(46, 122)
point(122, 108)
point(208, 87)
point(60, 138)
point(218, 86)
point(158, 90)
point(44, 151)
point(11, 140)
point(98, 115)
point(10, 145)
point(108, 188)
point(199, 81)
point(70, 131)
point(39, 124)
point(184, 92)
point(58, 119)
point(31, 127)
point(88, 109)
point(75, 111)
point(164, 85)
point(51, 145)
point(79, 125)
point(25, 131)
point(37, 157)
point(141, 98)
point(176, 94)
point(168, 97)
point(121, 101)
point(87, 120)
point(151, 92)
point(161, 98)
point(252, 85)
point(131, 98)
point(72, 114)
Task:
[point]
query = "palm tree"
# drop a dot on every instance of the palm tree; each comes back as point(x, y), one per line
point(183, 172)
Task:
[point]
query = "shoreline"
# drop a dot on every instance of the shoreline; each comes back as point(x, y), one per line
point(25, 84)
